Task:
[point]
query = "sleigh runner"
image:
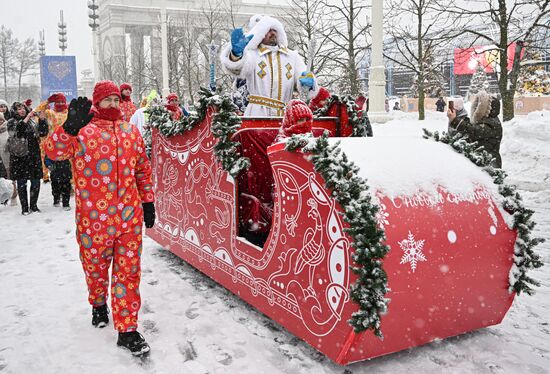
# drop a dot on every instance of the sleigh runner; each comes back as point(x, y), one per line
point(451, 249)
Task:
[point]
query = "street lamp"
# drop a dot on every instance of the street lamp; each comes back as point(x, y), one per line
point(41, 43)
point(93, 22)
point(62, 31)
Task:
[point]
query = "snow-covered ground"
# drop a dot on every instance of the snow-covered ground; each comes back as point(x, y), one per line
point(196, 326)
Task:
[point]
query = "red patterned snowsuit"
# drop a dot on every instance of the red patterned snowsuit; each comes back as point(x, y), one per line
point(128, 109)
point(112, 177)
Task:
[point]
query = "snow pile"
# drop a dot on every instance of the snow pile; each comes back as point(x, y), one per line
point(525, 150)
point(399, 166)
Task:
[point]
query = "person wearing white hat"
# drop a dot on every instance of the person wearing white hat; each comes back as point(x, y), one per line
point(272, 71)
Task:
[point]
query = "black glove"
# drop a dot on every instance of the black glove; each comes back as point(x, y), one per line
point(149, 214)
point(78, 116)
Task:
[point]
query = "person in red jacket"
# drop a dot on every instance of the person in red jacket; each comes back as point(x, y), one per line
point(127, 107)
point(173, 106)
point(114, 197)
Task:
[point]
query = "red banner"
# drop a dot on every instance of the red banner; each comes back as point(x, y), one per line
point(487, 56)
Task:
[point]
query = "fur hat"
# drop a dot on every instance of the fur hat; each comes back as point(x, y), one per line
point(295, 111)
point(104, 89)
point(259, 25)
point(125, 86)
point(4, 102)
point(481, 107)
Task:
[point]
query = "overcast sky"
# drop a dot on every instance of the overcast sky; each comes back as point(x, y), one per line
point(26, 18)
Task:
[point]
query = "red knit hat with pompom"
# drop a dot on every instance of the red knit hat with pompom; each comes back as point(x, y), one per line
point(323, 94)
point(104, 89)
point(295, 111)
point(171, 97)
point(57, 98)
point(125, 86)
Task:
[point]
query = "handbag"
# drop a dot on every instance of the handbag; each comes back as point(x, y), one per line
point(18, 147)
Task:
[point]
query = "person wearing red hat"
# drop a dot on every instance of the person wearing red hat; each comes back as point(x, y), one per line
point(298, 119)
point(114, 196)
point(173, 106)
point(127, 107)
point(55, 118)
point(320, 100)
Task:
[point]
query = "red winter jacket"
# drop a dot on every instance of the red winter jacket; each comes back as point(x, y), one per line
point(111, 171)
point(128, 109)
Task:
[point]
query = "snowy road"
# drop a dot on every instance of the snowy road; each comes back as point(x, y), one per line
point(195, 326)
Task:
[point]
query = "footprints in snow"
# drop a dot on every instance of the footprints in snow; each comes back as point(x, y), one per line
point(188, 351)
point(191, 312)
point(150, 327)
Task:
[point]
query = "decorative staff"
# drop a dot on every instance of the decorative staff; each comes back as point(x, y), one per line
point(212, 54)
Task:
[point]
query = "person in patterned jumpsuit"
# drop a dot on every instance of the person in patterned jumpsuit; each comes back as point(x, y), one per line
point(55, 118)
point(126, 105)
point(114, 197)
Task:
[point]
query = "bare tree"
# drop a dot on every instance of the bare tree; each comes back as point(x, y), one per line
point(8, 46)
point(417, 29)
point(519, 23)
point(232, 8)
point(347, 32)
point(25, 60)
point(306, 22)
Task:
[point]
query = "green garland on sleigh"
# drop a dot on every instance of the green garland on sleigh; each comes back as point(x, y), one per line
point(359, 211)
point(525, 258)
point(225, 124)
point(361, 125)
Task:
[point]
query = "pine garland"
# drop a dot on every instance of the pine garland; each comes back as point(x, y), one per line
point(361, 125)
point(524, 256)
point(225, 124)
point(359, 211)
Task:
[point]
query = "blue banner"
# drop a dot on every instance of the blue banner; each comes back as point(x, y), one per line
point(58, 74)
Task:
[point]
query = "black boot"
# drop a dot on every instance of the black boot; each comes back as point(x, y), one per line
point(24, 201)
point(100, 316)
point(35, 191)
point(134, 342)
point(56, 200)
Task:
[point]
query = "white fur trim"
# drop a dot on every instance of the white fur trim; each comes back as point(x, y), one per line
point(262, 27)
point(254, 20)
point(231, 67)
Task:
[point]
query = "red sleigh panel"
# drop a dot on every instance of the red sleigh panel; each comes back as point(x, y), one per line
point(447, 268)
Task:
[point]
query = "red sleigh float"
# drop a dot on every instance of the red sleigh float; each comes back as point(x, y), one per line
point(442, 249)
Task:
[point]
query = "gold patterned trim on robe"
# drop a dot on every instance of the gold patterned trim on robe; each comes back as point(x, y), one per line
point(280, 81)
point(267, 102)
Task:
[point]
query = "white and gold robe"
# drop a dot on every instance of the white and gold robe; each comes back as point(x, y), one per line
point(272, 74)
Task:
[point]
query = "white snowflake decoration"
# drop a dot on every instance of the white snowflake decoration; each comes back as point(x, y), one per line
point(381, 216)
point(413, 251)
